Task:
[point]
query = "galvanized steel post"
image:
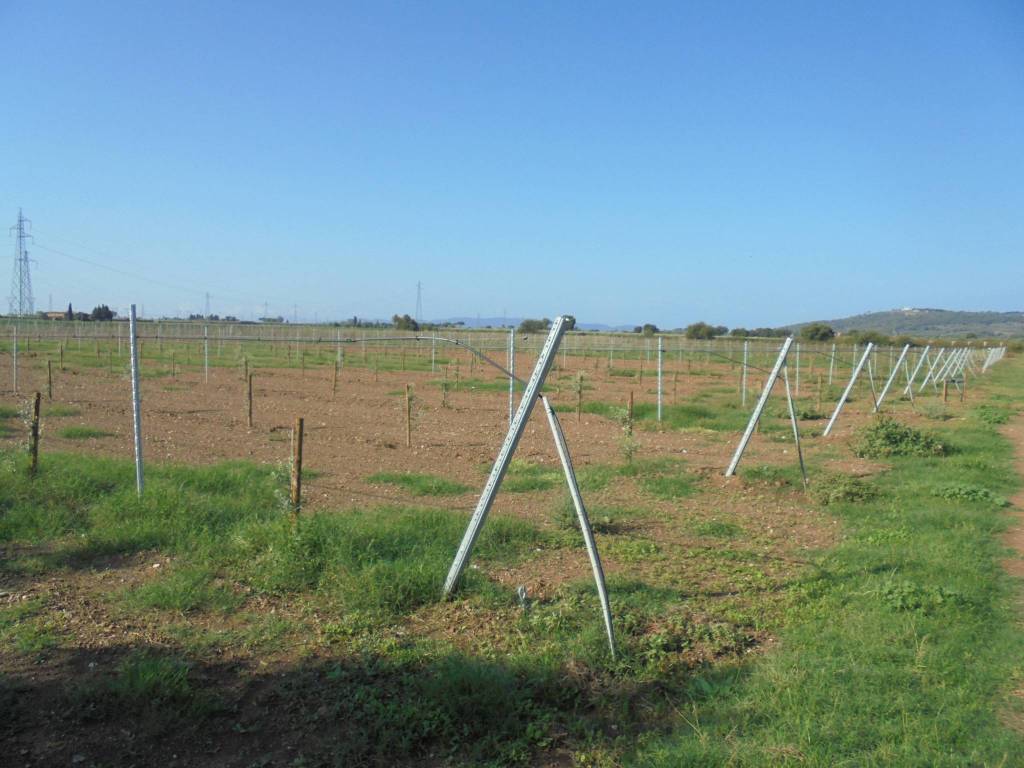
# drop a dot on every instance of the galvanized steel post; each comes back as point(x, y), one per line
point(661, 352)
point(136, 400)
point(581, 514)
point(892, 376)
point(504, 458)
point(759, 407)
point(917, 368)
point(849, 388)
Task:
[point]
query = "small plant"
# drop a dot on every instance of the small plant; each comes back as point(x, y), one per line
point(82, 433)
point(888, 437)
point(966, 492)
point(906, 596)
point(842, 489)
point(718, 529)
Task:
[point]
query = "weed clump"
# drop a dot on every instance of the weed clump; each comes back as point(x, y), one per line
point(993, 415)
point(843, 489)
point(967, 492)
point(888, 437)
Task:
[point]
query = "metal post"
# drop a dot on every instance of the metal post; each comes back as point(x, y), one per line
point(797, 369)
point(795, 423)
point(581, 515)
point(136, 400)
point(931, 369)
point(849, 388)
point(661, 352)
point(14, 358)
point(504, 458)
point(206, 355)
point(831, 364)
point(743, 378)
point(511, 374)
point(759, 407)
point(892, 377)
point(872, 362)
point(433, 351)
point(920, 362)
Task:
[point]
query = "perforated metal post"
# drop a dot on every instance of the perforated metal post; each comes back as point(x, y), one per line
point(581, 515)
point(14, 357)
point(515, 432)
point(892, 377)
point(920, 362)
point(931, 369)
point(848, 390)
point(136, 400)
point(661, 352)
point(743, 378)
point(731, 470)
point(511, 374)
point(206, 355)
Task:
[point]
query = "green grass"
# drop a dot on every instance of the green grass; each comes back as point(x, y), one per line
point(419, 484)
point(82, 433)
point(902, 648)
point(9, 412)
point(60, 411)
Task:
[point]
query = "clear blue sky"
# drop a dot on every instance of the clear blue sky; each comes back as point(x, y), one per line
point(740, 163)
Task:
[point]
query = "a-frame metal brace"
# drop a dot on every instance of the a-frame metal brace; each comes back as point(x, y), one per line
point(501, 464)
point(848, 390)
point(756, 415)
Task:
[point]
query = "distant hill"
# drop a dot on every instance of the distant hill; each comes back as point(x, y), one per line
point(932, 322)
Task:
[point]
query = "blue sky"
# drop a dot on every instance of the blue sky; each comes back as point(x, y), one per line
point(740, 163)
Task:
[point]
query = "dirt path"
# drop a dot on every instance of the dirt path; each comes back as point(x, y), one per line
point(1015, 536)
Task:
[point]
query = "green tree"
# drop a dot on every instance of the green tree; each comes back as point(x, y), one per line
point(817, 332)
point(700, 330)
point(534, 326)
point(102, 312)
point(405, 323)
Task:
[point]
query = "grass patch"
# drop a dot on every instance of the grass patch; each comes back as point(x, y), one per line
point(419, 484)
point(524, 476)
point(665, 479)
point(717, 529)
point(83, 433)
point(842, 489)
point(61, 411)
point(9, 412)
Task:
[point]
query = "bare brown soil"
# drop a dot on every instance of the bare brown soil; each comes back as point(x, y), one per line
point(350, 436)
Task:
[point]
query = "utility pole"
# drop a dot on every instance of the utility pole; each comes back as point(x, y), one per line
point(21, 301)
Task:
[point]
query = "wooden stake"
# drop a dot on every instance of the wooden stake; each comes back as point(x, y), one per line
point(61, 348)
point(408, 417)
point(963, 386)
point(945, 391)
point(819, 392)
point(629, 411)
point(297, 466)
point(245, 368)
point(334, 381)
point(33, 436)
point(49, 378)
point(579, 397)
point(248, 400)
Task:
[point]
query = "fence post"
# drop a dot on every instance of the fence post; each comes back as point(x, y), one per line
point(136, 400)
point(206, 355)
point(511, 374)
point(743, 375)
point(296, 485)
point(33, 437)
point(661, 352)
point(49, 378)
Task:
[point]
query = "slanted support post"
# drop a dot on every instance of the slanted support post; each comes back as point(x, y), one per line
point(849, 389)
point(756, 415)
